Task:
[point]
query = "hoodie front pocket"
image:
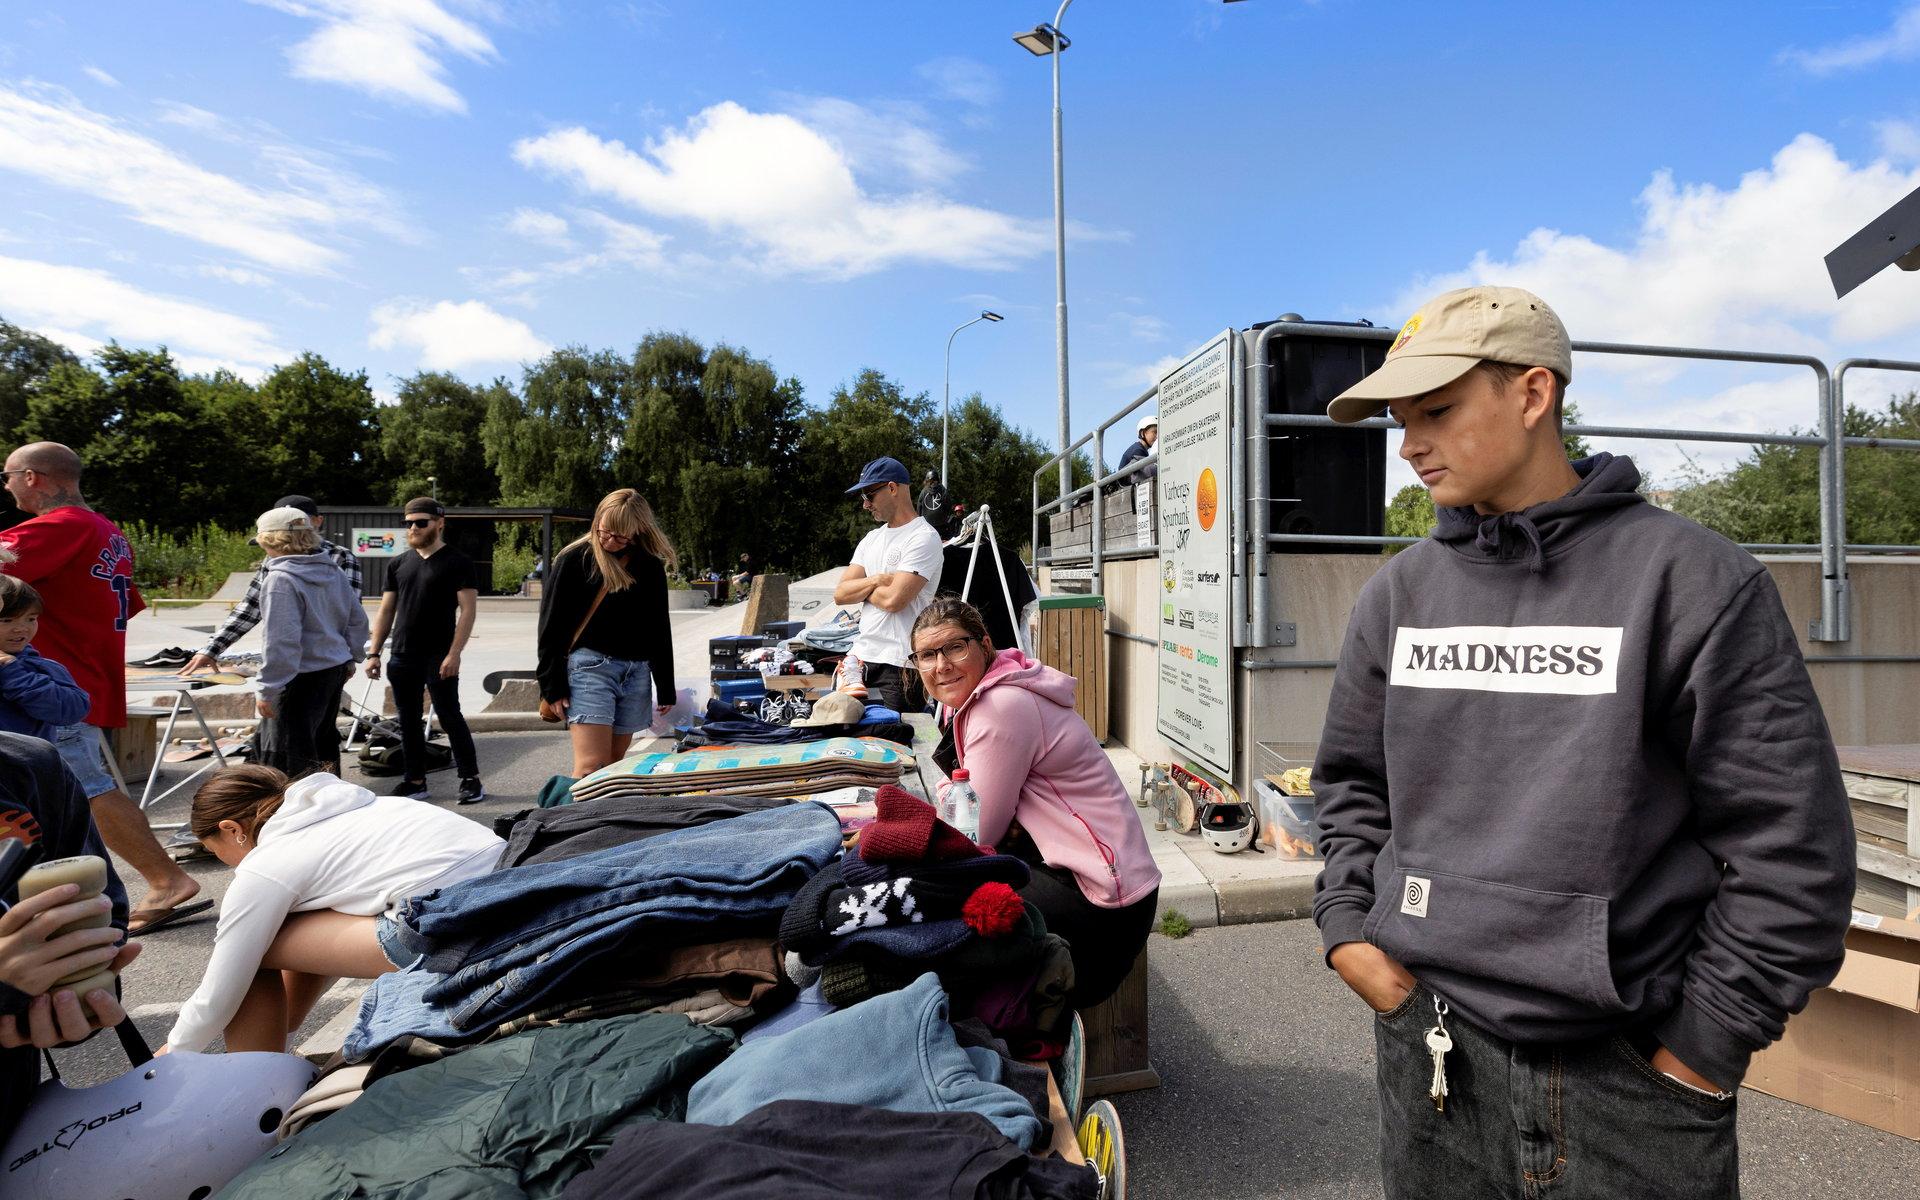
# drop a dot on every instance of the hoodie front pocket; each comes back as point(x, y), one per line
point(1553, 942)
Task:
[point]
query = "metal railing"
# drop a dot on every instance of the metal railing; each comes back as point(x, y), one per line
point(1254, 538)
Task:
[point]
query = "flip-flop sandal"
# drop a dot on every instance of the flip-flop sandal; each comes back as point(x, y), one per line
point(159, 918)
point(1106, 1148)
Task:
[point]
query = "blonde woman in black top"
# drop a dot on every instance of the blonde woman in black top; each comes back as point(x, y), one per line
point(606, 649)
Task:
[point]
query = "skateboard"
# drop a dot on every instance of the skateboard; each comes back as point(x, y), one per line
point(1105, 1146)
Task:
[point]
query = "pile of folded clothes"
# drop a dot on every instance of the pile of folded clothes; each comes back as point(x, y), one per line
point(613, 1013)
point(918, 896)
point(799, 770)
point(834, 715)
point(834, 638)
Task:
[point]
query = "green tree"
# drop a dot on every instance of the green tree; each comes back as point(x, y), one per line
point(429, 434)
point(554, 444)
point(992, 462)
point(1576, 445)
point(1773, 493)
point(150, 446)
point(319, 433)
point(863, 420)
point(1410, 513)
point(26, 359)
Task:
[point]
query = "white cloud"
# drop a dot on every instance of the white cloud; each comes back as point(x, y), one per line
point(390, 49)
point(240, 275)
point(451, 335)
point(98, 76)
point(84, 308)
point(1899, 140)
point(1140, 327)
point(51, 136)
point(786, 192)
point(964, 79)
point(1899, 42)
point(1738, 267)
point(1134, 377)
point(622, 244)
point(538, 225)
point(879, 141)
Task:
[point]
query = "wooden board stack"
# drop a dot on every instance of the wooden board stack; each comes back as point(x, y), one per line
point(799, 770)
point(1883, 789)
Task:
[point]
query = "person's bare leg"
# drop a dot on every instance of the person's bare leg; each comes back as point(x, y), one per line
point(592, 748)
point(328, 944)
point(123, 827)
point(619, 746)
point(261, 1021)
point(303, 992)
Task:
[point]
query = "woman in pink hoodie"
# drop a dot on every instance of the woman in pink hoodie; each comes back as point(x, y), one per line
point(1047, 792)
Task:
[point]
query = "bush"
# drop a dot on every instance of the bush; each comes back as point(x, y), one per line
point(511, 563)
point(193, 564)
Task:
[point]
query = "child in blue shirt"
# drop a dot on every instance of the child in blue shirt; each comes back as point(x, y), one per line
point(37, 695)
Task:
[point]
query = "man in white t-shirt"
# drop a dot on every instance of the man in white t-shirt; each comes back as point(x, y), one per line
point(895, 572)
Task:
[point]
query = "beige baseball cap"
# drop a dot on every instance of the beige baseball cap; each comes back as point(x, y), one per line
point(279, 520)
point(1449, 335)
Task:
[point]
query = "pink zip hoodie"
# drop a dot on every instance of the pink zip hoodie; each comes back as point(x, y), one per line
point(1033, 760)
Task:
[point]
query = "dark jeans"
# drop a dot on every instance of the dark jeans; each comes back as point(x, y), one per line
point(895, 687)
point(1589, 1120)
point(1104, 941)
point(304, 733)
point(409, 679)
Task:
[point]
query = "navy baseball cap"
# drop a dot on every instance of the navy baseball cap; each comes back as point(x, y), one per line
point(881, 470)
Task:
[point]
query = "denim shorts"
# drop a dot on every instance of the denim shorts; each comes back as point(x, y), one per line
point(386, 931)
point(609, 691)
point(84, 749)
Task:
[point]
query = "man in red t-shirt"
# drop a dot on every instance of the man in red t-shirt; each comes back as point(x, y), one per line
point(82, 567)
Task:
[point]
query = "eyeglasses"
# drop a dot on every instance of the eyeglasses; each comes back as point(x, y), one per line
point(873, 491)
point(618, 538)
point(956, 651)
point(420, 524)
point(17, 471)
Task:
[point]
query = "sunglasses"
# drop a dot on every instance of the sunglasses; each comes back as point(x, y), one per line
point(421, 523)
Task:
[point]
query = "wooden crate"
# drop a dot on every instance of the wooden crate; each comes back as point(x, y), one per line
point(1883, 790)
point(1073, 639)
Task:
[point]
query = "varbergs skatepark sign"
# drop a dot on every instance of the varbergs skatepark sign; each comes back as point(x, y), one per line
point(1195, 700)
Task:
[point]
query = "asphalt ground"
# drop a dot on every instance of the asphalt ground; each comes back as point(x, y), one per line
point(1266, 1060)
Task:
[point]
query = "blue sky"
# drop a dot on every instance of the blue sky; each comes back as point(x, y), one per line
point(460, 184)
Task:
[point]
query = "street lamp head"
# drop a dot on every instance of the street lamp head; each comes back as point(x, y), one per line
point(1043, 40)
point(990, 316)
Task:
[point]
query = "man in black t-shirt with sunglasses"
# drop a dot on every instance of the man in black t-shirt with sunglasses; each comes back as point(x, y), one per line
point(429, 605)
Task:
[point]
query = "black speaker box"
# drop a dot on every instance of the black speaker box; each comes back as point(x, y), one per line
point(1324, 481)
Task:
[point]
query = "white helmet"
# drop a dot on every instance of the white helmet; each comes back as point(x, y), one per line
point(179, 1125)
point(1150, 421)
point(1228, 825)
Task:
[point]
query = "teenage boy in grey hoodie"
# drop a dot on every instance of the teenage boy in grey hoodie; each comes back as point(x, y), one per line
point(1585, 837)
point(314, 631)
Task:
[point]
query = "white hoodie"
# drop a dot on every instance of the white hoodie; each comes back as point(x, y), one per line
point(331, 845)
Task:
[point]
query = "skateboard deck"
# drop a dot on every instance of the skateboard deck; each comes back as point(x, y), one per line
point(163, 674)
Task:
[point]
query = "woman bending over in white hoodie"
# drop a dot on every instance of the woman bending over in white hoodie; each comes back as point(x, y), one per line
point(320, 867)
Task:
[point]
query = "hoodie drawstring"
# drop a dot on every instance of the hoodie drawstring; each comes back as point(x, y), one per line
point(1490, 537)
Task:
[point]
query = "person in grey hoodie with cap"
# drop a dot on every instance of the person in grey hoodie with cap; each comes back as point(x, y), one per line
point(1586, 841)
point(314, 632)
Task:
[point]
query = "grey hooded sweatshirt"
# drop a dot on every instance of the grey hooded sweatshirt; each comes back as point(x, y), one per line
point(1575, 778)
point(310, 619)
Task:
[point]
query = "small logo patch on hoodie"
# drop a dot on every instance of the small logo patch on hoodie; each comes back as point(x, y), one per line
point(1562, 660)
point(1413, 901)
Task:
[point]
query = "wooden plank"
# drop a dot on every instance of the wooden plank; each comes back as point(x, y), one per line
point(1874, 788)
point(1892, 762)
point(1880, 821)
point(1888, 865)
point(1117, 1047)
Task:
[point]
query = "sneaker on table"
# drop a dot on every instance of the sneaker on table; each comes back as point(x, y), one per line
point(472, 791)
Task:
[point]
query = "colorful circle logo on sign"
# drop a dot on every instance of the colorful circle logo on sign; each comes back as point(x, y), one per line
point(1206, 499)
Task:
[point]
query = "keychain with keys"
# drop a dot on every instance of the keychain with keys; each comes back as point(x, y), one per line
point(1439, 1041)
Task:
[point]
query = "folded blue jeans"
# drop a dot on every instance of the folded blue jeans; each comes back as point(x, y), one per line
point(500, 944)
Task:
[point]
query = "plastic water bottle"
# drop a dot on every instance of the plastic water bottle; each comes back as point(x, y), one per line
point(963, 806)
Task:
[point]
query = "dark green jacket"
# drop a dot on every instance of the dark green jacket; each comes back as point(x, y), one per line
point(513, 1118)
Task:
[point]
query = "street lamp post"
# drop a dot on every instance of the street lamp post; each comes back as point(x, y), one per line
point(946, 387)
point(1047, 40)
